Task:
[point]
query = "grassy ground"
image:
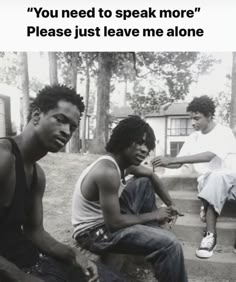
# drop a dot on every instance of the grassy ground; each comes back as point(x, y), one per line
point(62, 171)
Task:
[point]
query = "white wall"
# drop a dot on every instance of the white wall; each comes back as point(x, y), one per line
point(158, 126)
point(174, 138)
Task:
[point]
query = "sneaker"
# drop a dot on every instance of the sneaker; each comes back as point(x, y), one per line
point(202, 214)
point(207, 246)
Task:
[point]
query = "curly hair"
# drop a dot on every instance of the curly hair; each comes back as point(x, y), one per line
point(203, 104)
point(130, 130)
point(48, 97)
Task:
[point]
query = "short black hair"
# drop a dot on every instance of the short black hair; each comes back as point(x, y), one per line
point(128, 131)
point(203, 104)
point(47, 98)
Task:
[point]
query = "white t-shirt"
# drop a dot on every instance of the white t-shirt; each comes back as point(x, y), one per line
point(220, 141)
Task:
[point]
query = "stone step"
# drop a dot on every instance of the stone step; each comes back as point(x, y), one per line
point(189, 228)
point(188, 202)
point(181, 182)
point(220, 267)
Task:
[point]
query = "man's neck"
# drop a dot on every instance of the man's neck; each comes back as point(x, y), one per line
point(209, 128)
point(29, 147)
point(119, 160)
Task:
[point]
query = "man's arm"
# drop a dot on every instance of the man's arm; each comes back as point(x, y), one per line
point(8, 270)
point(43, 240)
point(170, 162)
point(142, 171)
point(34, 227)
point(108, 186)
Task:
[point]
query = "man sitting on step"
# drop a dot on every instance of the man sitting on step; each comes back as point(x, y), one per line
point(27, 252)
point(111, 216)
point(209, 149)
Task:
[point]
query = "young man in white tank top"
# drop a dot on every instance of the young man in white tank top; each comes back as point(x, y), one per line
point(110, 215)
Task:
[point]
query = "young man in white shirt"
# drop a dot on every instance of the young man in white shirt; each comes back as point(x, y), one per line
point(208, 148)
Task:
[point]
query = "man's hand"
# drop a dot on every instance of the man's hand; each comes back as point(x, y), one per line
point(89, 267)
point(161, 161)
point(175, 213)
point(163, 215)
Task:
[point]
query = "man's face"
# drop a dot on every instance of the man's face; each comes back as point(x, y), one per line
point(136, 152)
point(55, 127)
point(199, 121)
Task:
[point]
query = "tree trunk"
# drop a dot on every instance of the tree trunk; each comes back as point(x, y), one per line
point(103, 102)
point(125, 94)
point(53, 68)
point(86, 102)
point(25, 86)
point(75, 139)
point(233, 97)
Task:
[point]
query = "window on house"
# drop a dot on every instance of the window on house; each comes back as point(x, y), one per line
point(180, 127)
point(175, 147)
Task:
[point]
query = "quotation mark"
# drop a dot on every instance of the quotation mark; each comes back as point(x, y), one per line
point(30, 9)
point(197, 9)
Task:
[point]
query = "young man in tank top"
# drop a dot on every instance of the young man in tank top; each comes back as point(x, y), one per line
point(27, 252)
point(110, 215)
point(211, 148)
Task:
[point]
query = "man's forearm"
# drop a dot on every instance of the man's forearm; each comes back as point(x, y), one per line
point(49, 246)
point(160, 190)
point(126, 220)
point(10, 272)
point(198, 158)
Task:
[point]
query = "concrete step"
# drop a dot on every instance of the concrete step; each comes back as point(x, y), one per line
point(188, 202)
point(181, 182)
point(189, 228)
point(221, 266)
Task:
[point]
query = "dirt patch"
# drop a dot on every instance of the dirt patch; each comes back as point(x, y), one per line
point(62, 171)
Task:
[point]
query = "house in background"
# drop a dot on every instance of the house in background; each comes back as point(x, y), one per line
point(171, 126)
point(5, 116)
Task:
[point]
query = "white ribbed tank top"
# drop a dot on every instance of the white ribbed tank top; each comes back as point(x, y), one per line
point(88, 214)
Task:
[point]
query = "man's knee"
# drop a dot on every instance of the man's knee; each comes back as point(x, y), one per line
point(174, 242)
point(142, 181)
point(217, 181)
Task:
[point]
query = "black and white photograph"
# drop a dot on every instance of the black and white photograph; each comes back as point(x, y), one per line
point(118, 166)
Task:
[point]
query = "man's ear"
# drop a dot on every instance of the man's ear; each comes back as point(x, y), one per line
point(36, 115)
point(210, 116)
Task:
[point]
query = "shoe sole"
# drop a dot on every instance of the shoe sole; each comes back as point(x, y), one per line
point(205, 254)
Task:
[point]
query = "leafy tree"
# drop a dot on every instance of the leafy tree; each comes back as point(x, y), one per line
point(25, 86)
point(53, 67)
point(10, 69)
point(222, 102)
point(72, 64)
point(233, 96)
point(105, 63)
point(169, 74)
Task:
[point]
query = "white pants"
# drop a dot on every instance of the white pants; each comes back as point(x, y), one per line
point(217, 188)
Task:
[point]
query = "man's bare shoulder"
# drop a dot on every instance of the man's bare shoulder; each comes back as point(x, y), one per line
point(7, 158)
point(106, 170)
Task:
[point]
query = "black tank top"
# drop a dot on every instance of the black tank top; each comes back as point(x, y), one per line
point(14, 245)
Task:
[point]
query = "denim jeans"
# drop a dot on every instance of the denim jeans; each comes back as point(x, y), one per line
point(51, 270)
point(159, 246)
